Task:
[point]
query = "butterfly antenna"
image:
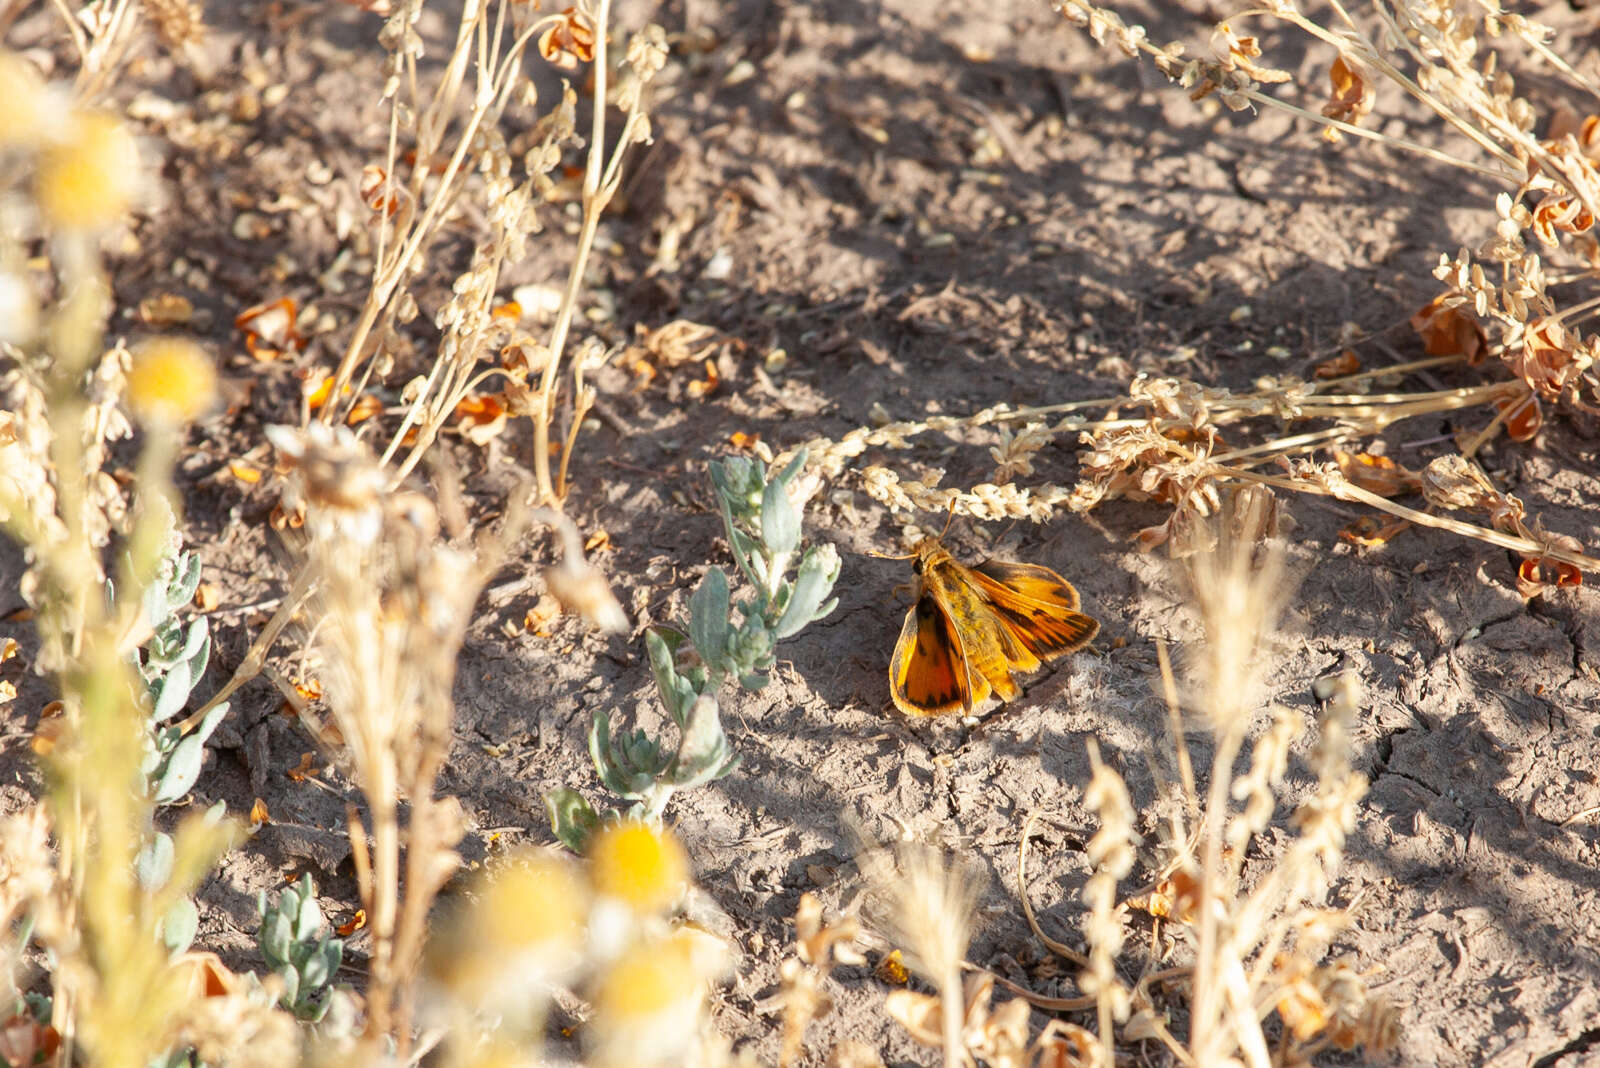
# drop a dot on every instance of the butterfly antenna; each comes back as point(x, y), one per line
point(951, 518)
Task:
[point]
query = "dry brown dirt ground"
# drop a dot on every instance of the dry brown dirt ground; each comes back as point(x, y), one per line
point(814, 154)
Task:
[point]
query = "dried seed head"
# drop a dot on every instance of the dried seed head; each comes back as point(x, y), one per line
point(1452, 481)
point(925, 901)
point(334, 476)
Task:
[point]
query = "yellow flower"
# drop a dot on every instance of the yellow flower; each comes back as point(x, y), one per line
point(638, 865)
point(171, 381)
point(88, 179)
point(522, 935)
point(534, 903)
point(647, 1005)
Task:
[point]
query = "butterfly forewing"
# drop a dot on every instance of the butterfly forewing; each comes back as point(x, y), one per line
point(928, 674)
point(1038, 607)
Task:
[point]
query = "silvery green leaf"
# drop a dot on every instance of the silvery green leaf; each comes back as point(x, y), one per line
point(793, 468)
point(308, 920)
point(738, 483)
point(172, 691)
point(314, 972)
point(677, 693)
point(215, 813)
point(754, 682)
point(179, 924)
point(276, 939)
point(164, 649)
point(151, 760)
point(332, 954)
point(572, 819)
point(291, 987)
point(819, 570)
point(182, 770)
point(196, 643)
point(708, 618)
point(209, 724)
point(752, 645)
point(759, 571)
point(157, 609)
point(153, 865)
point(187, 581)
point(703, 752)
point(622, 774)
point(640, 753)
point(780, 522)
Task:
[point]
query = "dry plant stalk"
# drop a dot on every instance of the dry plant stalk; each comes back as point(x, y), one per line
point(72, 173)
point(391, 605)
point(454, 130)
point(1110, 851)
point(818, 948)
point(924, 902)
point(1258, 947)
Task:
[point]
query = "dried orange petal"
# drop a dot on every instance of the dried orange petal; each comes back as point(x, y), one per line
point(365, 407)
point(1346, 363)
point(1377, 474)
point(1450, 330)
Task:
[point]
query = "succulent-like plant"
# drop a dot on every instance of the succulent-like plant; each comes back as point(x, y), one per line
point(296, 949)
point(763, 526)
point(170, 662)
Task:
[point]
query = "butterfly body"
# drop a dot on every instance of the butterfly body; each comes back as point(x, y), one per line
point(972, 627)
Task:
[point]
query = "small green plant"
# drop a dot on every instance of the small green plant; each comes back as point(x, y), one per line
point(296, 949)
point(170, 662)
point(762, 517)
point(174, 659)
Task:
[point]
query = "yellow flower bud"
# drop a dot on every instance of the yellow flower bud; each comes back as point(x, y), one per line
point(638, 865)
point(88, 179)
point(171, 381)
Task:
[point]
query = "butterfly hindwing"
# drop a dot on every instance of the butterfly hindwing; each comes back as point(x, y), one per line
point(1038, 607)
point(928, 675)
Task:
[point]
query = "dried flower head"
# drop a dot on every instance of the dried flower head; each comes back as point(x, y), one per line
point(334, 477)
point(1351, 98)
point(568, 39)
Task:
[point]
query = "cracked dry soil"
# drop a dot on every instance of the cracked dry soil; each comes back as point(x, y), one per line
point(1121, 229)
